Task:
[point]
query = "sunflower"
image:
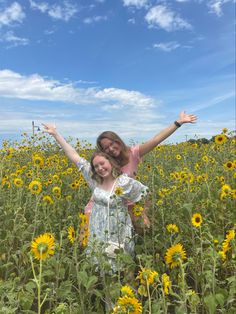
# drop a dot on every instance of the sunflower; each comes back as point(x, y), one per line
point(227, 242)
point(73, 185)
point(205, 158)
point(233, 193)
point(35, 187)
point(137, 210)
point(224, 130)
point(68, 198)
point(147, 276)
point(18, 182)
point(69, 170)
point(129, 305)
point(178, 157)
point(38, 160)
point(196, 220)
point(29, 174)
point(119, 191)
point(166, 283)
point(56, 190)
point(71, 234)
point(226, 189)
point(127, 291)
point(229, 165)
point(175, 254)
point(172, 228)
point(220, 139)
point(83, 220)
point(6, 183)
point(47, 199)
point(43, 246)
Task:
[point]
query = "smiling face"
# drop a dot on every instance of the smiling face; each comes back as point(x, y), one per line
point(113, 148)
point(102, 166)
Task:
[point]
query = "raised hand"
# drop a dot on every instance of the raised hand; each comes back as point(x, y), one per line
point(49, 128)
point(186, 118)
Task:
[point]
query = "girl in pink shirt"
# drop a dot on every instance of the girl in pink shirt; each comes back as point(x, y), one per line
point(129, 157)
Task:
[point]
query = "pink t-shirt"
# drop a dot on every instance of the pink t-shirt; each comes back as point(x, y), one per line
point(134, 160)
point(130, 169)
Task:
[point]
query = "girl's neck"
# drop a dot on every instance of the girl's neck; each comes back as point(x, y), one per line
point(107, 183)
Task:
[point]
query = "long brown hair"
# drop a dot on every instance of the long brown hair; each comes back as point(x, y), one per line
point(115, 166)
point(123, 158)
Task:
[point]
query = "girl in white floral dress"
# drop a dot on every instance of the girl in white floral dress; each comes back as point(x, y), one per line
point(110, 226)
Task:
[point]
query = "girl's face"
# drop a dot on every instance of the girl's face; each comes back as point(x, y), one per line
point(102, 166)
point(111, 147)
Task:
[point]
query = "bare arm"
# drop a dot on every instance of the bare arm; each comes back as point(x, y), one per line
point(160, 137)
point(68, 149)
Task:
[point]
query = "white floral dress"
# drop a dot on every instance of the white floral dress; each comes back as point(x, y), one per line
point(110, 221)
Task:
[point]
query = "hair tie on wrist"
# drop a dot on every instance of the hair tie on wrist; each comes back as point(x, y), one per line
point(177, 124)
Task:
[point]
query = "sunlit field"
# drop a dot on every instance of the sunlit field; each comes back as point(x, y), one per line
point(185, 263)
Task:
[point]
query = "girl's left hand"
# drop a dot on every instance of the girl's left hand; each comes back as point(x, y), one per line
point(186, 118)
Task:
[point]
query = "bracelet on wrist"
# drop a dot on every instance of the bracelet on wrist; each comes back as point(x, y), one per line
point(177, 124)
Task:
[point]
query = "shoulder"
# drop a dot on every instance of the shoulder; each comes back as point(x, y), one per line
point(82, 163)
point(134, 149)
point(123, 179)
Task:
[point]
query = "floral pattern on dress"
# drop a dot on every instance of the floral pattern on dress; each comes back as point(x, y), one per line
point(110, 220)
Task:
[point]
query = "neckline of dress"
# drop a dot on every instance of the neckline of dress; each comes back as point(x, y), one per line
point(113, 186)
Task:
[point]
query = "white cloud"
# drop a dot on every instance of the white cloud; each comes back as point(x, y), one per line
point(13, 40)
point(167, 47)
point(64, 12)
point(215, 6)
point(12, 14)
point(124, 97)
point(135, 3)
point(35, 87)
point(95, 19)
point(131, 21)
point(163, 17)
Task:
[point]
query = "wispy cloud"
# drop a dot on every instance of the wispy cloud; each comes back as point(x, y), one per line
point(214, 101)
point(64, 12)
point(167, 47)
point(135, 3)
point(12, 15)
point(95, 19)
point(216, 6)
point(163, 17)
point(12, 40)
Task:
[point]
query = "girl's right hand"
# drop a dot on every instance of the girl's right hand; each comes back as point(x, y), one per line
point(49, 128)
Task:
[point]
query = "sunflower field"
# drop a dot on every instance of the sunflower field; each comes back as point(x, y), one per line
point(184, 263)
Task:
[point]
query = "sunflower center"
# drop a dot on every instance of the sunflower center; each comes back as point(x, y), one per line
point(197, 219)
point(176, 256)
point(42, 247)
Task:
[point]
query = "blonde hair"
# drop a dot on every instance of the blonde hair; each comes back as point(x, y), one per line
point(116, 171)
point(123, 158)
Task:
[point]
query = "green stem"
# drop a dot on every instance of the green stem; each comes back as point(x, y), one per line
point(39, 283)
point(149, 297)
point(183, 285)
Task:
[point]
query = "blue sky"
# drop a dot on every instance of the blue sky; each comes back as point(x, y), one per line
point(124, 65)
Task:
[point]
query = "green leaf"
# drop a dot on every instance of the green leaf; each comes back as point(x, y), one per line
point(26, 300)
point(220, 299)
point(30, 286)
point(92, 280)
point(64, 290)
point(210, 303)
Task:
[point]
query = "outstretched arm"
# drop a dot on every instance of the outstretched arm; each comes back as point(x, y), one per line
point(158, 138)
point(68, 149)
